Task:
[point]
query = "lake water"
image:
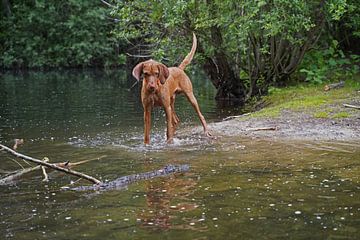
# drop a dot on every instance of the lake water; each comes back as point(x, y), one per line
point(236, 187)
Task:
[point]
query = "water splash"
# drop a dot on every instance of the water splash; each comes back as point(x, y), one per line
point(133, 142)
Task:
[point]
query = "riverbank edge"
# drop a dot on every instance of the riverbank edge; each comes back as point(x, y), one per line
point(330, 120)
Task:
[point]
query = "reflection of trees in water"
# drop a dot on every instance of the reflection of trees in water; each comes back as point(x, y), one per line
point(165, 198)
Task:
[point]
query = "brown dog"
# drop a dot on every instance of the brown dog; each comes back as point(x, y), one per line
point(159, 88)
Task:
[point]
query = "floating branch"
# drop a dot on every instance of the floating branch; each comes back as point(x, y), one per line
point(49, 165)
point(118, 183)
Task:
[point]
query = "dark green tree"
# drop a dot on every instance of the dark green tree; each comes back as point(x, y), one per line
point(245, 46)
point(50, 33)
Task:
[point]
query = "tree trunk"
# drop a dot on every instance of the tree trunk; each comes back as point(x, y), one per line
point(228, 84)
point(6, 7)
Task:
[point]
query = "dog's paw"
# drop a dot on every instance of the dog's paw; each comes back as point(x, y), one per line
point(208, 134)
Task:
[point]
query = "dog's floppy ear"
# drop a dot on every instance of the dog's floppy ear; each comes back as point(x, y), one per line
point(138, 70)
point(164, 73)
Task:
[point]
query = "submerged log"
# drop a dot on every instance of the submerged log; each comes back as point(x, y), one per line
point(123, 182)
point(49, 165)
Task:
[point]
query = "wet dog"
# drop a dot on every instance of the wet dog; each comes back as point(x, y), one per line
point(159, 88)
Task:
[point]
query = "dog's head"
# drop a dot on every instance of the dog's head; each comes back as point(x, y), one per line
point(152, 73)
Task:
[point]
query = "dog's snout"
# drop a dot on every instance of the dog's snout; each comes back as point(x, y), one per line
point(152, 88)
point(151, 85)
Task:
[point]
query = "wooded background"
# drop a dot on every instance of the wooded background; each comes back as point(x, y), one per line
point(244, 46)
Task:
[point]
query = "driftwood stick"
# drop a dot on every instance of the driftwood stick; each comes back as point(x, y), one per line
point(351, 106)
point(236, 116)
point(70, 164)
point(52, 166)
point(262, 129)
point(46, 177)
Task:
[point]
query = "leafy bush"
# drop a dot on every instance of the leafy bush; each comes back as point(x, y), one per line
point(319, 65)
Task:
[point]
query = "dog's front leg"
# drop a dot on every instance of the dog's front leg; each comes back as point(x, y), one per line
point(170, 126)
point(147, 125)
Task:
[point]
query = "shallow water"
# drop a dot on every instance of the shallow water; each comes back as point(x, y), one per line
point(236, 188)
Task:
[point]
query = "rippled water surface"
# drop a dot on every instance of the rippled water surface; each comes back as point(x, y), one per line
point(236, 188)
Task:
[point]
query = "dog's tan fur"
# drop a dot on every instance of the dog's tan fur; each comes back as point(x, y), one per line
point(159, 88)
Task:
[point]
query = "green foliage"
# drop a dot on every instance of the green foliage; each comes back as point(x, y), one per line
point(262, 40)
point(319, 65)
point(56, 33)
point(252, 45)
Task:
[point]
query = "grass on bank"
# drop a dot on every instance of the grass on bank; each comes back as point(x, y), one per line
point(310, 99)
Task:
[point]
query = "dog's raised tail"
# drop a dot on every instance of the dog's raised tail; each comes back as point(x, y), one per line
point(190, 56)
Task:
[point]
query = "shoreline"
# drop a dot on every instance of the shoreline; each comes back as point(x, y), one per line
point(290, 126)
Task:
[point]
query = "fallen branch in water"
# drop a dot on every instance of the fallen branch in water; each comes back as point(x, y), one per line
point(49, 165)
point(351, 106)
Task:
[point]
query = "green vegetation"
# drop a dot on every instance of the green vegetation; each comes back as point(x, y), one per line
point(54, 33)
point(311, 99)
point(321, 115)
point(245, 47)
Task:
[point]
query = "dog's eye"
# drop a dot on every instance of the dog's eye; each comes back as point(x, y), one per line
point(157, 74)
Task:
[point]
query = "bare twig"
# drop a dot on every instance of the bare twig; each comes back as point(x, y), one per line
point(52, 166)
point(262, 129)
point(46, 177)
point(351, 106)
point(236, 116)
point(107, 4)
